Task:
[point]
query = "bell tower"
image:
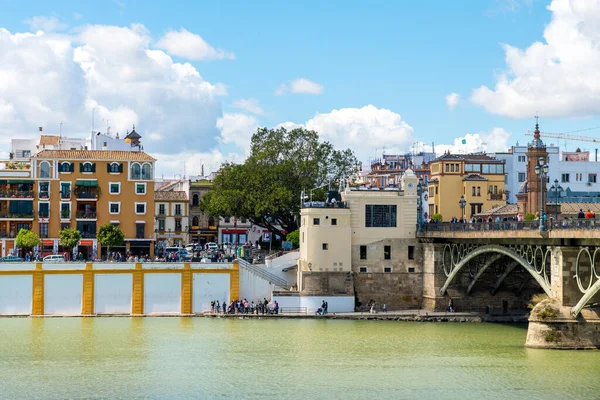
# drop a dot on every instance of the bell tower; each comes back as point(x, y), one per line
point(536, 155)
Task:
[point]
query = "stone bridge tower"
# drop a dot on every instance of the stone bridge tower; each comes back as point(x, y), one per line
point(529, 201)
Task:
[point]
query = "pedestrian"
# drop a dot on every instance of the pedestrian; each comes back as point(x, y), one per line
point(212, 306)
point(217, 307)
point(265, 304)
point(384, 308)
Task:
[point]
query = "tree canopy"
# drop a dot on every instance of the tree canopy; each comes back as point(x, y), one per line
point(110, 235)
point(27, 239)
point(267, 187)
point(69, 238)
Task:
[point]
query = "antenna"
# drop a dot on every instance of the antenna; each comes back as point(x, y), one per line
point(61, 126)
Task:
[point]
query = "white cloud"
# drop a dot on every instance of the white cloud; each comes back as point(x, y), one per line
point(47, 24)
point(299, 86)
point(555, 78)
point(452, 100)
point(249, 105)
point(237, 129)
point(189, 45)
point(496, 140)
point(363, 130)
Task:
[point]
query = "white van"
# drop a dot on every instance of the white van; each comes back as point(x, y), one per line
point(54, 258)
point(180, 251)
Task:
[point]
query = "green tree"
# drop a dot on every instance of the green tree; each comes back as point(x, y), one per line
point(27, 240)
point(529, 217)
point(69, 238)
point(267, 187)
point(437, 217)
point(294, 237)
point(110, 236)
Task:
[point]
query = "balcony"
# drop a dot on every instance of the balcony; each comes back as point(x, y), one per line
point(86, 194)
point(45, 194)
point(16, 194)
point(86, 215)
point(495, 196)
point(65, 195)
point(65, 214)
point(22, 216)
point(88, 235)
point(322, 204)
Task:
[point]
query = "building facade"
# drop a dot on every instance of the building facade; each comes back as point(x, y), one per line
point(172, 218)
point(203, 227)
point(479, 178)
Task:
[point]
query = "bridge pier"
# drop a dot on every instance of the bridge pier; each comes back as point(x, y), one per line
point(433, 277)
point(551, 322)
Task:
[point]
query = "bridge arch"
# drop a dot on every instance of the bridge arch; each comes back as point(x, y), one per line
point(502, 251)
point(592, 288)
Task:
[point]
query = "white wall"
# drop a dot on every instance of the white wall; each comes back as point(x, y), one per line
point(312, 303)
point(113, 293)
point(63, 294)
point(15, 294)
point(162, 293)
point(209, 287)
point(253, 287)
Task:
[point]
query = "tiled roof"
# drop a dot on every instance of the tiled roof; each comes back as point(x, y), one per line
point(99, 155)
point(48, 140)
point(467, 157)
point(474, 177)
point(503, 210)
point(176, 195)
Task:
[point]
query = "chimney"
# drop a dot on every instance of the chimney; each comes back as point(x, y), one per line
point(40, 128)
point(104, 146)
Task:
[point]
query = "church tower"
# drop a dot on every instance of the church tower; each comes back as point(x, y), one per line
point(536, 155)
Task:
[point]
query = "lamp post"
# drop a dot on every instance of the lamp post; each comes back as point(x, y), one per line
point(169, 241)
point(420, 205)
point(557, 190)
point(541, 170)
point(462, 202)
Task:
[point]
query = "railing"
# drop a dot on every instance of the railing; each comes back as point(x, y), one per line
point(44, 194)
point(293, 310)
point(17, 194)
point(7, 235)
point(86, 215)
point(550, 224)
point(86, 195)
point(277, 281)
point(65, 215)
point(495, 196)
point(322, 204)
point(65, 195)
point(88, 235)
point(16, 215)
point(280, 253)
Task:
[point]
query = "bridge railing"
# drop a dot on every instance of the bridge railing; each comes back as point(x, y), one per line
point(550, 224)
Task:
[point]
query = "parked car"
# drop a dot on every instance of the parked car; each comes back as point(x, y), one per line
point(54, 258)
point(180, 251)
point(11, 258)
point(212, 246)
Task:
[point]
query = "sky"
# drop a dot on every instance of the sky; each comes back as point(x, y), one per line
point(198, 77)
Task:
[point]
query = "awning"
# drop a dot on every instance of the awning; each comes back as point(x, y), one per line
point(48, 242)
point(20, 181)
point(3, 181)
point(86, 242)
point(234, 231)
point(87, 183)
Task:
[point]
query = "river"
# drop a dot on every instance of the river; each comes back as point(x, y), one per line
point(205, 358)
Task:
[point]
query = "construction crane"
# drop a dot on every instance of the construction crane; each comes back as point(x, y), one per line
point(566, 136)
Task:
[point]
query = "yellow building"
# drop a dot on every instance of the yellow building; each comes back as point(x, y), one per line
point(477, 177)
point(81, 189)
point(172, 218)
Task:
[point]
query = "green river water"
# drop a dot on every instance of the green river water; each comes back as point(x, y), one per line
point(203, 358)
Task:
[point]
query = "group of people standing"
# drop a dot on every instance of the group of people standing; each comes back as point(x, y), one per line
point(244, 307)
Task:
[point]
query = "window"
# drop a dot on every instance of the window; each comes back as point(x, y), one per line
point(522, 159)
point(114, 187)
point(579, 176)
point(387, 270)
point(178, 225)
point(161, 209)
point(457, 167)
point(363, 269)
point(44, 190)
point(226, 220)
point(65, 167)
point(195, 221)
point(472, 167)
point(140, 188)
point(447, 167)
point(592, 178)
point(65, 225)
point(139, 230)
point(43, 210)
point(195, 200)
point(136, 171)
point(411, 252)
point(380, 216)
point(333, 221)
point(522, 177)
point(473, 191)
point(161, 225)
point(140, 208)
point(451, 167)
point(65, 210)
point(363, 252)
point(177, 209)
point(387, 252)
point(436, 190)
point(43, 230)
point(479, 191)
point(65, 190)
point(564, 178)
point(114, 168)
point(44, 169)
point(147, 171)
point(411, 269)
point(114, 208)
point(325, 246)
point(87, 168)
point(316, 221)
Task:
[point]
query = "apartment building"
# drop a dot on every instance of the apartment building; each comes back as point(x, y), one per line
point(203, 227)
point(172, 218)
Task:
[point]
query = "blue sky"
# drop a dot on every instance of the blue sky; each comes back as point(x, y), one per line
point(401, 56)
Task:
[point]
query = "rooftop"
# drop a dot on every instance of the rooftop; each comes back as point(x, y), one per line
point(467, 157)
point(175, 195)
point(202, 182)
point(49, 140)
point(99, 155)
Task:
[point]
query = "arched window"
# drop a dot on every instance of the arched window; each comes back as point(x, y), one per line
point(195, 221)
point(136, 171)
point(65, 167)
point(195, 200)
point(114, 167)
point(147, 171)
point(211, 221)
point(88, 167)
point(44, 169)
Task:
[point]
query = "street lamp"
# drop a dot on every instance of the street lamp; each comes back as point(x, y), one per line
point(541, 170)
point(420, 188)
point(462, 202)
point(557, 190)
point(169, 241)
